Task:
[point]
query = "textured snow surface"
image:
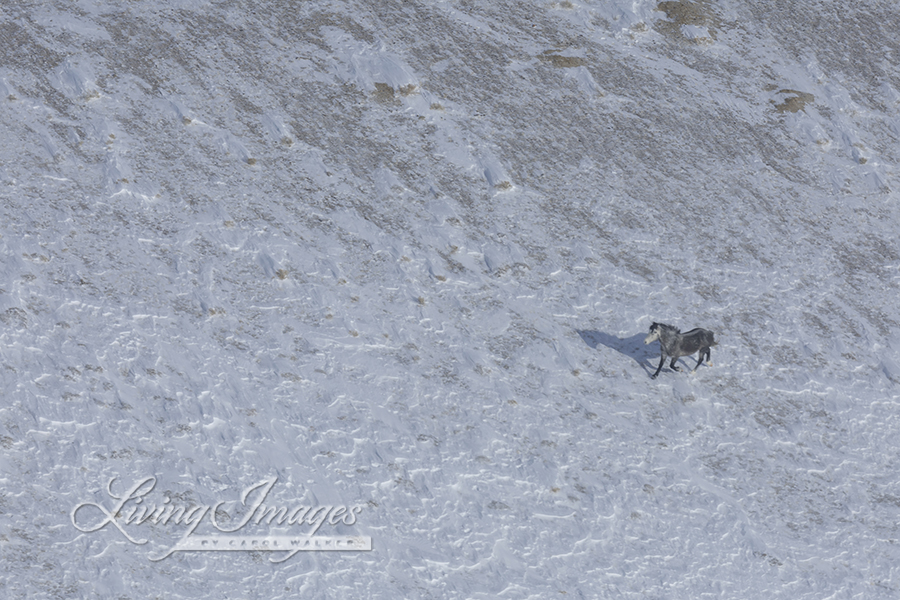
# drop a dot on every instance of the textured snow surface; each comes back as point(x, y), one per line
point(402, 255)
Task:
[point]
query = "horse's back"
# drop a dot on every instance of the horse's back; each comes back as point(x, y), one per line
point(705, 335)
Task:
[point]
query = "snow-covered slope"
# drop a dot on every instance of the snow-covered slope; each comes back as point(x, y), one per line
point(401, 257)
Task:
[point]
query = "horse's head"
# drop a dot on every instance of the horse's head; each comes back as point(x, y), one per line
point(653, 335)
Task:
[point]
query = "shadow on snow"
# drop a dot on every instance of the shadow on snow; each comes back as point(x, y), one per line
point(633, 346)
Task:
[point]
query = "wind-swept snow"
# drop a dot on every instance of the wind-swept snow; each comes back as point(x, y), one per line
point(399, 259)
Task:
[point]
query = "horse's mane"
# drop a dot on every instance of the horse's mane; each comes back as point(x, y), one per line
point(670, 327)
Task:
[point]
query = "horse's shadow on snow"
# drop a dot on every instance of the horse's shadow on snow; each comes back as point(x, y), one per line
point(633, 346)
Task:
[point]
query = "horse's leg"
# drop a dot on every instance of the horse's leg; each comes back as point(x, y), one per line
point(708, 357)
point(672, 365)
point(700, 359)
point(662, 359)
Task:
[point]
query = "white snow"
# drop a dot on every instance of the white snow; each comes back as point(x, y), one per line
point(402, 257)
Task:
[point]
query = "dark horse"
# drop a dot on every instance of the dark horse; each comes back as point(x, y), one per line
point(676, 344)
